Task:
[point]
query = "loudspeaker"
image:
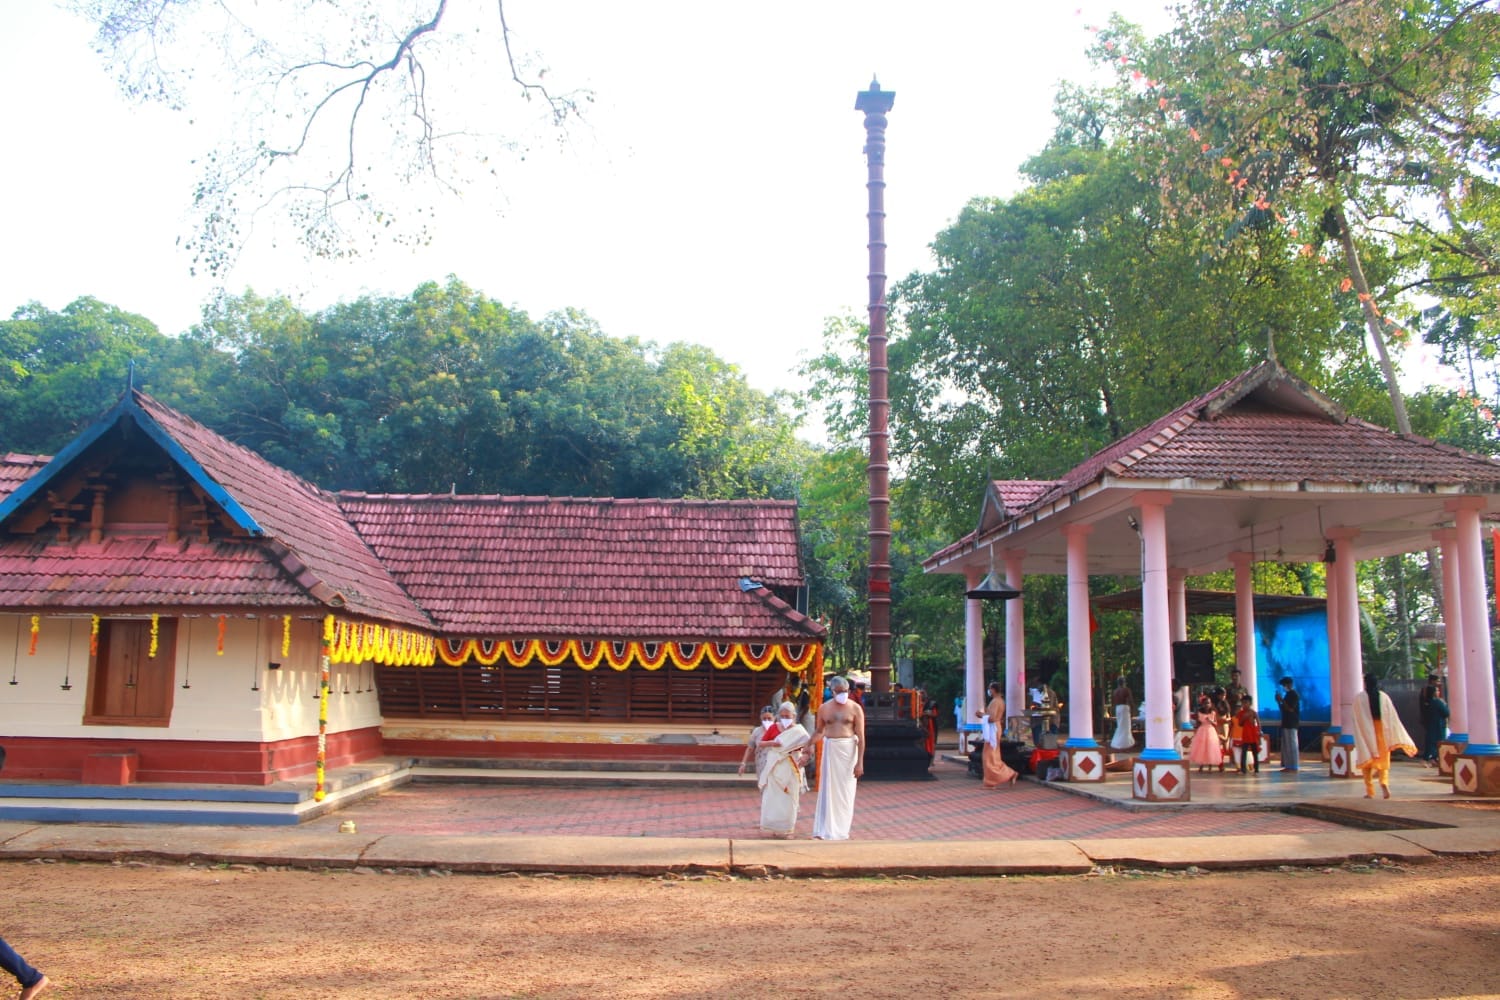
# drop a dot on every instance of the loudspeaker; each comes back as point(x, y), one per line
point(1193, 662)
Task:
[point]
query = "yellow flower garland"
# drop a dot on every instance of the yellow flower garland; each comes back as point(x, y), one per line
point(155, 632)
point(36, 630)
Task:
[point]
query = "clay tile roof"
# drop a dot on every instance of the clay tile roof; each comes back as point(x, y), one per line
point(15, 469)
point(493, 566)
point(1265, 425)
point(142, 574)
point(304, 529)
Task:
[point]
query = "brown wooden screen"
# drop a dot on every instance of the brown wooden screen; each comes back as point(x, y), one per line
point(568, 693)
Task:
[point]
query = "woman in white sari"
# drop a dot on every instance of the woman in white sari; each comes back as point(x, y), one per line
point(781, 780)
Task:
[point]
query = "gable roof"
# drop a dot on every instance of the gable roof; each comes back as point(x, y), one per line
point(1266, 425)
point(297, 550)
point(497, 567)
point(1261, 455)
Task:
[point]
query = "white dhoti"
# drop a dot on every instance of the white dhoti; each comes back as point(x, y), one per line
point(782, 783)
point(1123, 739)
point(836, 786)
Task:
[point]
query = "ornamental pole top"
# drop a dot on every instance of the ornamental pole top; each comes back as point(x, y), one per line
point(874, 101)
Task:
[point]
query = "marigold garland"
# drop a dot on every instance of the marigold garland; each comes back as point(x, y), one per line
point(286, 636)
point(36, 630)
point(93, 635)
point(322, 759)
point(155, 634)
point(223, 624)
point(587, 654)
point(365, 642)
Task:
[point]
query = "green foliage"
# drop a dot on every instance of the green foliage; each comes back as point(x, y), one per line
point(62, 370)
point(444, 390)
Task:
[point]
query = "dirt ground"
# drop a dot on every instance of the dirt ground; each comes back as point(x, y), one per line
point(170, 931)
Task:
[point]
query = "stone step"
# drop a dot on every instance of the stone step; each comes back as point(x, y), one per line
point(576, 764)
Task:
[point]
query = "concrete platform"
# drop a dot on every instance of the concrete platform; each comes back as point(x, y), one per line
point(567, 824)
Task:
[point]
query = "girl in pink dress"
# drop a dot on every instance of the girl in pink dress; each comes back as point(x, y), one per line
point(1206, 750)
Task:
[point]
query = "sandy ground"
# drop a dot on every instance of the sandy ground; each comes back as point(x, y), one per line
point(147, 931)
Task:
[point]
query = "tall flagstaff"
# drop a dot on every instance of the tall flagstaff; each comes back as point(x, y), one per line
point(875, 103)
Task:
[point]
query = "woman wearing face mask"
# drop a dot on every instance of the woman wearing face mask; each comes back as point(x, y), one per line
point(996, 772)
point(755, 745)
point(781, 779)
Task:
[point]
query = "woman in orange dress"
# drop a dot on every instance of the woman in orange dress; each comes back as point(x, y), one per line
point(996, 772)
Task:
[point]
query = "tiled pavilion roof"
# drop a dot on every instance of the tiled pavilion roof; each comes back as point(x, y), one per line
point(1261, 463)
point(495, 566)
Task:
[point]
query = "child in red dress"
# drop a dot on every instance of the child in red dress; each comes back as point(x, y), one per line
point(1247, 740)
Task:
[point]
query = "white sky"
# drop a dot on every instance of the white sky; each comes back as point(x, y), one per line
point(716, 194)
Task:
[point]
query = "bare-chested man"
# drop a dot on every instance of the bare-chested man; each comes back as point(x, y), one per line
point(841, 727)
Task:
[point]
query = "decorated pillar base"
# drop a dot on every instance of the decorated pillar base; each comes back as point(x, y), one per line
point(1326, 746)
point(1476, 774)
point(1160, 780)
point(1184, 741)
point(1447, 750)
point(1341, 761)
point(1082, 763)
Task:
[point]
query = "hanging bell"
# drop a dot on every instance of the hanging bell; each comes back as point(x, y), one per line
point(992, 588)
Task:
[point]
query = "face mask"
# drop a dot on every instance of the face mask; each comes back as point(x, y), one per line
point(768, 723)
point(841, 697)
point(784, 723)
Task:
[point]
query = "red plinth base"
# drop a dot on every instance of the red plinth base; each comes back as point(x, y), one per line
point(1341, 761)
point(1474, 775)
point(1447, 750)
point(110, 768)
point(1082, 763)
point(1160, 780)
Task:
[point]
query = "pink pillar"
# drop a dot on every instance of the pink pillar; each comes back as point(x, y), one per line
point(1015, 641)
point(973, 651)
point(1244, 623)
point(1080, 640)
point(1177, 621)
point(1479, 662)
point(1351, 656)
point(1155, 623)
point(1335, 649)
point(1177, 604)
point(1457, 686)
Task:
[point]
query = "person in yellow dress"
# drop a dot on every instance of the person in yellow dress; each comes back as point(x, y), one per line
point(1377, 733)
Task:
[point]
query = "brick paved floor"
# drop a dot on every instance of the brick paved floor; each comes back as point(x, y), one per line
point(953, 806)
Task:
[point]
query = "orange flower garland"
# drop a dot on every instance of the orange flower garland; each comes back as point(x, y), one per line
point(93, 635)
point(36, 630)
point(223, 624)
point(587, 654)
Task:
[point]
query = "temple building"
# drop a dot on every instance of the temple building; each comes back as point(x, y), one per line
point(179, 609)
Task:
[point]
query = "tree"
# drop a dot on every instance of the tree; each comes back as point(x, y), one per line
point(63, 369)
point(1064, 317)
point(336, 111)
point(1367, 124)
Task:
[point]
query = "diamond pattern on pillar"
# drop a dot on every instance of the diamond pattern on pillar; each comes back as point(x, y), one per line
point(1465, 775)
point(1169, 782)
point(1140, 781)
point(1086, 765)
